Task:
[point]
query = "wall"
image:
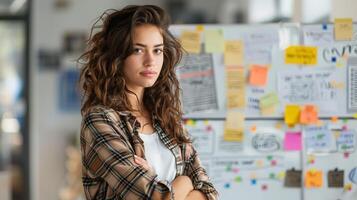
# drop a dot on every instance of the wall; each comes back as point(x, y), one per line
point(344, 8)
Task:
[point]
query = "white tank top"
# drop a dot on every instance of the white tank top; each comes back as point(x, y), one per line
point(159, 157)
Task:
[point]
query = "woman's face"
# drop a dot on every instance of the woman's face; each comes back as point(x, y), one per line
point(143, 66)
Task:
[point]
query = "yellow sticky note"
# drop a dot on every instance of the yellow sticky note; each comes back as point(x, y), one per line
point(268, 111)
point(309, 115)
point(200, 28)
point(313, 179)
point(235, 84)
point(292, 114)
point(233, 53)
point(214, 41)
point(281, 175)
point(304, 55)
point(235, 99)
point(343, 29)
point(234, 126)
point(190, 122)
point(191, 41)
point(354, 115)
point(258, 75)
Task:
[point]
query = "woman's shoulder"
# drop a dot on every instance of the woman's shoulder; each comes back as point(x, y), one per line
point(102, 112)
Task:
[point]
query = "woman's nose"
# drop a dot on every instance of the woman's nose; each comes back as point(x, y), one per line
point(149, 59)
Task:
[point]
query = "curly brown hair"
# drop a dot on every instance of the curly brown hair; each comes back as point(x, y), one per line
point(102, 78)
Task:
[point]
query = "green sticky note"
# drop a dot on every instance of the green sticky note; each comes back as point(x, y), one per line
point(238, 179)
point(269, 100)
point(214, 41)
point(272, 175)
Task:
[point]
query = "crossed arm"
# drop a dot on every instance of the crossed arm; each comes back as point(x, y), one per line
point(182, 185)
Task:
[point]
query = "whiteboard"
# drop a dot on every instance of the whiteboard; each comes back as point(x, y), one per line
point(245, 170)
point(275, 38)
point(240, 169)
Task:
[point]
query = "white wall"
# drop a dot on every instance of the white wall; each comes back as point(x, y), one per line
point(344, 8)
point(49, 127)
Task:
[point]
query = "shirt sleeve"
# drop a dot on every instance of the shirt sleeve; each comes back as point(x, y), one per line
point(194, 170)
point(107, 156)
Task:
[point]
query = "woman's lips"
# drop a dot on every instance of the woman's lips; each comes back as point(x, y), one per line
point(148, 73)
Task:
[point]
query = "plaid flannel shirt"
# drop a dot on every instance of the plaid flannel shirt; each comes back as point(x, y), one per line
point(109, 141)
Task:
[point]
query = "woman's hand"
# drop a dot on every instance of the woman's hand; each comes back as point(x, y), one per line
point(143, 163)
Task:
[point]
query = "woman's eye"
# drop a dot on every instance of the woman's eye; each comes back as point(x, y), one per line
point(137, 51)
point(158, 51)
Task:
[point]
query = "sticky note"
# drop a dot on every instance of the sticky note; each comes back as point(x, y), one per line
point(313, 179)
point(234, 126)
point(335, 178)
point(268, 111)
point(348, 187)
point(253, 128)
point(268, 100)
point(304, 55)
point(354, 115)
point(238, 179)
point(200, 28)
point(293, 178)
point(292, 114)
point(264, 187)
point(268, 103)
point(334, 119)
point(214, 41)
point(190, 122)
point(258, 75)
point(235, 87)
point(309, 115)
point(191, 41)
point(233, 53)
point(292, 141)
point(343, 29)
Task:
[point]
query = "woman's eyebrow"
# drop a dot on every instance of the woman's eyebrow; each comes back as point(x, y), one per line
point(143, 45)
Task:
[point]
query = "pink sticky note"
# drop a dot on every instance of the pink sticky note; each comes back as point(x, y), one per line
point(292, 141)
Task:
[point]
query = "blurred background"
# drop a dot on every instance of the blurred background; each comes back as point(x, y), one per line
point(39, 102)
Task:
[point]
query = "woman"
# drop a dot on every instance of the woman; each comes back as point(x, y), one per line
point(132, 140)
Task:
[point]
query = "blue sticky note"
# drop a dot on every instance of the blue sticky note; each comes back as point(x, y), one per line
point(324, 26)
point(254, 181)
point(333, 59)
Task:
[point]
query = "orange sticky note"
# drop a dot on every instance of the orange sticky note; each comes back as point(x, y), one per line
point(334, 119)
point(343, 29)
point(309, 115)
point(253, 128)
point(313, 179)
point(292, 114)
point(233, 53)
point(191, 41)
point(258, 75)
